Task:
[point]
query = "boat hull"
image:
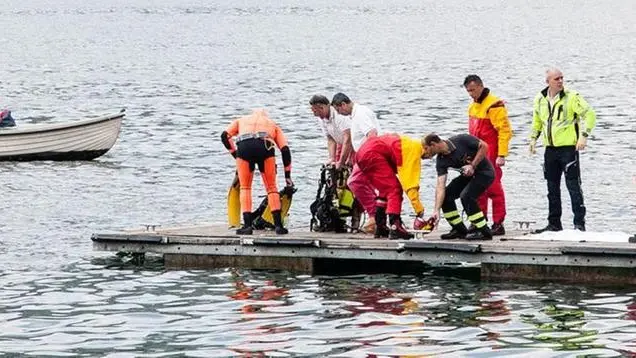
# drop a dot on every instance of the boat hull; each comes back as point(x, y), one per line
point(56, 156)
point(80, 140)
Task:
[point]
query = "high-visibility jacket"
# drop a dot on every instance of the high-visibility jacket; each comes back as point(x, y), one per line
point(488, 121)
point(562, 123)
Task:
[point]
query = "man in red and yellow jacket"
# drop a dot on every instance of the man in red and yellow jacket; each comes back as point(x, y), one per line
point(392, 163)
point(488, 121)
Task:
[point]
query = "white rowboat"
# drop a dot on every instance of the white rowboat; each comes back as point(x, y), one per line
point(79, 140)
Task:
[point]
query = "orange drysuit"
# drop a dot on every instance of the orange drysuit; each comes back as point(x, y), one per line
point(251, 140)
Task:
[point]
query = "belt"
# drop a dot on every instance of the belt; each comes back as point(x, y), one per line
point(257, 135)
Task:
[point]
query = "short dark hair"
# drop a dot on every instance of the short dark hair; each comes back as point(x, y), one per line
point(472, 78)
point(432, 138)
point(318, 99)
point(340, 98)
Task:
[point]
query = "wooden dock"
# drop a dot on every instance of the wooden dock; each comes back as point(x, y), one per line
point(511, 257)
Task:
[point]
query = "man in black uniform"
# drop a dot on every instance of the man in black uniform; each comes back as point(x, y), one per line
point(467, 154)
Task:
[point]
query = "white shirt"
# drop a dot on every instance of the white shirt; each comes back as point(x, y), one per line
point(552, 100)
point(335, 125)
point(363, 121)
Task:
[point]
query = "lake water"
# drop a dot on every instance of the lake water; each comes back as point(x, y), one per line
point(185, 69)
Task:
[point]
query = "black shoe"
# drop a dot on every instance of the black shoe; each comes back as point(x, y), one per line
point(381, 231)
point(550, 227)
point(245, 230)
point(480, 234)
point(454, 234)
point(472, 228)
point(579, 227)
point(400, 235)
point(632, 239)
point(398, 231)
point(278, 223)
point(498, 230)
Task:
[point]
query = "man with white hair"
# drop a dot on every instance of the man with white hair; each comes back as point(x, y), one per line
point(565, 120)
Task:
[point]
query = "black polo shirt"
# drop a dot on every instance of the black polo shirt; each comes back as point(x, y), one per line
point(463, 148)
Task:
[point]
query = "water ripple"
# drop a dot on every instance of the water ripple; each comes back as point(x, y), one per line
point(184, 71)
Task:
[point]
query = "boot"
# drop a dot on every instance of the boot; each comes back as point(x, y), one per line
point(459, 231)
point(398, 231)
point(498, 229)
point(247, 225)
point(579, 227)
point(355, 223)
point(482, 233)
point(381, 230)
point(278, 223)
point(550, 227)
point(355, 218)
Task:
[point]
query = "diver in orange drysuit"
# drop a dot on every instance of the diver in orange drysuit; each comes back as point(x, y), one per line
point(255, 138)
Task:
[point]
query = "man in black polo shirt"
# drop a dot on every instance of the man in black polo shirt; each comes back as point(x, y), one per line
point(468, 155)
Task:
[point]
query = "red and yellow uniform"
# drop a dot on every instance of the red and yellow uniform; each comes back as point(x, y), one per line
point(488, 121)
point(391, 163)
point(382, 157)
point(252, 140)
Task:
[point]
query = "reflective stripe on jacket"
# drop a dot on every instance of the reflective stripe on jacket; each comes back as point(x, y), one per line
point(560, 124)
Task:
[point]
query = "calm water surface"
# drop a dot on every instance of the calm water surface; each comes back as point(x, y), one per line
point(184, 69)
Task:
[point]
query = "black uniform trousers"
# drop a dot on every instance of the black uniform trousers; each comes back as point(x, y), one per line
point(467, 189)
point(558, 161)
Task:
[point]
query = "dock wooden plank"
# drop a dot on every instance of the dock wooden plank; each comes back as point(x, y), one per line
point(513, 255)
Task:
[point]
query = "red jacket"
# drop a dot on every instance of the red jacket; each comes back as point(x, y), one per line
point(488, 121)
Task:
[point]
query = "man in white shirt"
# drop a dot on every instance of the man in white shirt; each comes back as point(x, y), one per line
point(336, 128)
point(364, 124)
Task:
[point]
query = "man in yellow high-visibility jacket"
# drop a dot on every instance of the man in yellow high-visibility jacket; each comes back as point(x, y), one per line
point(565, 120)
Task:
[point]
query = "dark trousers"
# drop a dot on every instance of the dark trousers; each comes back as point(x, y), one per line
point(557, 161)
point(467, 189)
